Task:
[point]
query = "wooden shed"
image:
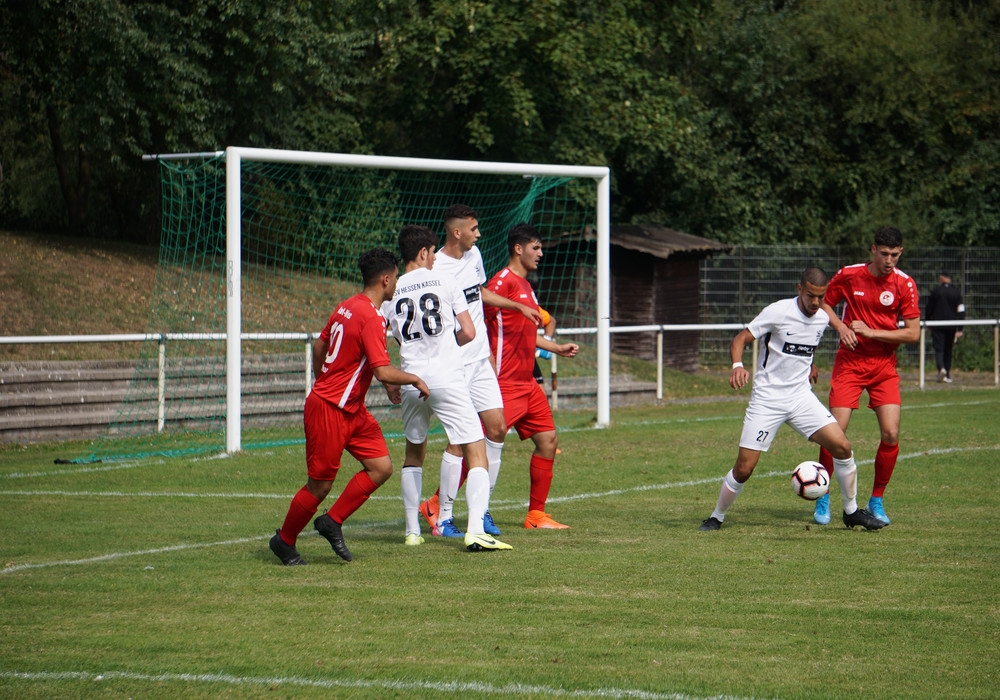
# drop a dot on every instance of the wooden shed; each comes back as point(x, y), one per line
point(655, 279)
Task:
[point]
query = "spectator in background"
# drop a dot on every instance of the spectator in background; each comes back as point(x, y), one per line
point(944, 304)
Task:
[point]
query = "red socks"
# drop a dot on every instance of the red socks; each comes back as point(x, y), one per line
point(300, 512)
point(826, 459)
point(885, 462)
point(357, 491)
point(541, 480)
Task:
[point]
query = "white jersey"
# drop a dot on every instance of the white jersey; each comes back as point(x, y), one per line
point(788, 338)
point(470, 275)
point(421, 315)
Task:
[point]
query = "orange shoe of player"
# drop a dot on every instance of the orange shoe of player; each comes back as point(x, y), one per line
point(429, 509)
point(537, 520)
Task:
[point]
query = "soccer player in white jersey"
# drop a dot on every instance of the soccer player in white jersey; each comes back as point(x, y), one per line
point(423, 315)
point(461, 260)
point(790, 330)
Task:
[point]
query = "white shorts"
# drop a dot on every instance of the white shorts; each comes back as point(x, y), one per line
point(483, 386)
point(805, 413)
point(452, 406)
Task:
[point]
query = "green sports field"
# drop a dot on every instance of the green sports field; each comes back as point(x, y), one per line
point(153, 578)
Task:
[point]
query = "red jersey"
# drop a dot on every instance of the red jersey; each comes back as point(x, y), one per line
point(355, 334)
point(513, 336)
point(878, 301)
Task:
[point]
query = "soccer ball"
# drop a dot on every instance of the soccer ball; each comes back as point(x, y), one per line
point(810, 480)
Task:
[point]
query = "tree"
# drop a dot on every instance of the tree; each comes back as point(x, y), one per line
point(104, 81)
point(579, 81)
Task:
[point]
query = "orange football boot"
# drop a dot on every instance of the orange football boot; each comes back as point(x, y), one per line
point(538, 520)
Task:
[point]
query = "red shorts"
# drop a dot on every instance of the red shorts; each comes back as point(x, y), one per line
point(330, 431)
point(853, 373)
point(526, 408)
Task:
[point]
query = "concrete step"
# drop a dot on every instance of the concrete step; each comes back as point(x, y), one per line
point(61, 400)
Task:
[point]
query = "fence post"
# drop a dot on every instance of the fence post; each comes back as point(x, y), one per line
point(659, 365)
point(161, 383)
point(555, 382)
point(309, 364)
point(923, 350)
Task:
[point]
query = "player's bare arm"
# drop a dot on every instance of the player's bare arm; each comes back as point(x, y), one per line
point(847, 336)
point(561, 349)
point(739, 377)
point(813, 374)
point(466, 332)
point(909, 333)
point(387, 374)
point(320, 348)
point(493, 299)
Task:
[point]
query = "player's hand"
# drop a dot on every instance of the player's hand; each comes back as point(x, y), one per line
point(568, 350)
point(395, 393)
point(531, 314)
point(861, 328)
point(422, 388)
point(847, 337)
point(813, 374)
point(739, 378)
point(958, 334)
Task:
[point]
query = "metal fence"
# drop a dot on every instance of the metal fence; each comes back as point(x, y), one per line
point(736, 287)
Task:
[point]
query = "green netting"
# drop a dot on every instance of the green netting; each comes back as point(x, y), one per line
point(303, 227)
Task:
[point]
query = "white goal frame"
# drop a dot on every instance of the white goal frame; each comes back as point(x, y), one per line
point(234, 236)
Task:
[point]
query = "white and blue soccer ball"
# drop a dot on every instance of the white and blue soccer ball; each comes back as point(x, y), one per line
point(810, 480)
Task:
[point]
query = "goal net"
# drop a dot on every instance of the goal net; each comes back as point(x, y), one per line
point(238, 301)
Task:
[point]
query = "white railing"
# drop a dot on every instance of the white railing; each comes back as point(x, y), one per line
point(660, 329)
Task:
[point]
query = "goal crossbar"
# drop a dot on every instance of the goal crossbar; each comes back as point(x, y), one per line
point(235, 156)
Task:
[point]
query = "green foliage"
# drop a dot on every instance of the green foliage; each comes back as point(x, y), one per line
point(749, 122)
point(100, 82)
point(848, 115)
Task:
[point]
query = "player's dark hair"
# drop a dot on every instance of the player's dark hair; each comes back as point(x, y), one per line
point(888, 236)
point(815, 276)
point(376, 262)
point(413, 239)
point(457, 211)
point(521, 234)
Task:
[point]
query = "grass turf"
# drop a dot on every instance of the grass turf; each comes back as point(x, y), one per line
point(154, 579)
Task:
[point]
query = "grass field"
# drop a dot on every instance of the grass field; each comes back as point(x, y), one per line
point(153, 578)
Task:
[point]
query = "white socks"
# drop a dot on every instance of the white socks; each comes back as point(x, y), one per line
point(846, 471)
point(728, 492)
point(451, 474)
point(411, 481)
point(477, 496)
point(493, 452)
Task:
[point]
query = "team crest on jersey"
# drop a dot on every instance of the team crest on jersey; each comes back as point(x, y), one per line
point(886, 298)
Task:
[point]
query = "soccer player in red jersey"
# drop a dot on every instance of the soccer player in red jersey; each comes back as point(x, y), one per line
point(350, 350)
point(513, 341)
point(877, 296)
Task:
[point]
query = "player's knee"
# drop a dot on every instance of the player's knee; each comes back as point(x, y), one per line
point(742, 471)
point(546, 443)
point(841, 450)
point(319, 489)
point(496, 433)
point(890, 436)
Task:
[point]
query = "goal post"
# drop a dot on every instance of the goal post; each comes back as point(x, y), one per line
point(235, 156)
point(257, 243)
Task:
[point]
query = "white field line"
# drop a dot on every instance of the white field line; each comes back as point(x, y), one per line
point(389, 685)
point(397, 522)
